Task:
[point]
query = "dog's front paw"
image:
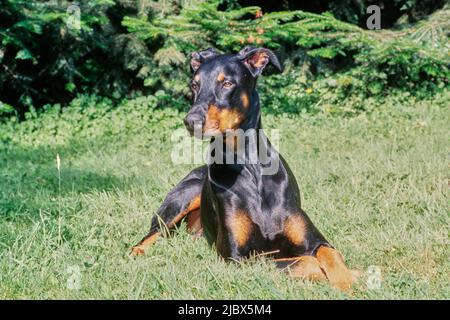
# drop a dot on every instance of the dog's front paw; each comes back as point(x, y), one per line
point(356, 274)
point(137, 251)
point(332, 263)
point(344, 280)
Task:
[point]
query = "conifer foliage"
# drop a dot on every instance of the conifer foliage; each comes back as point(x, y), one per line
point(132, 48)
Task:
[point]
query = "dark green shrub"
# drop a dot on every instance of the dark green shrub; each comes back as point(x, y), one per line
point(130, 49)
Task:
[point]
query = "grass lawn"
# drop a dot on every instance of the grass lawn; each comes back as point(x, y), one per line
point(375, 184)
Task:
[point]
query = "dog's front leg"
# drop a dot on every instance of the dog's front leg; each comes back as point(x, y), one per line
point(332, 264)
point(182, 200)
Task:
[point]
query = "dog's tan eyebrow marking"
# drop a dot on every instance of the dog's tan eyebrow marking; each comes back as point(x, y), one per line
point(221, 77)
point(197, 77)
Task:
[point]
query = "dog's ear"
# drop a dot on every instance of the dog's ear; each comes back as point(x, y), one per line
point(198, 57)
point(256, 59)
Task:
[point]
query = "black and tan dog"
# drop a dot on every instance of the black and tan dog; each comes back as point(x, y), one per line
point(240, 210)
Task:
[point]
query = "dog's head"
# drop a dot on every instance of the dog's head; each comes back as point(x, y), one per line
point(222, 87)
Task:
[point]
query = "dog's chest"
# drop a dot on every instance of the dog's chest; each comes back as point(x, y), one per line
point(267, 206)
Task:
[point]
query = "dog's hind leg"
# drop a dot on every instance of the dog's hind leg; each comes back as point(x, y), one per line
point(182, 200)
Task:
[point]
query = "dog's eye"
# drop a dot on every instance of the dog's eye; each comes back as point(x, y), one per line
point(194, 86)
point(227, 84)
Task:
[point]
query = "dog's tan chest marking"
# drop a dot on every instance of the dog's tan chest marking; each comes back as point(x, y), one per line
point(240, 226)
point(294, 229)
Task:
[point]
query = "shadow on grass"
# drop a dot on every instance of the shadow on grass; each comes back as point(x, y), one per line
point(29, 180)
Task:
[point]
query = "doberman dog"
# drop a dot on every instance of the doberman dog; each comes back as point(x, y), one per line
point(240, 210)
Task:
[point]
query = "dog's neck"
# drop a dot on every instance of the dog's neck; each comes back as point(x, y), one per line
point(253, 120)
point(254, 146)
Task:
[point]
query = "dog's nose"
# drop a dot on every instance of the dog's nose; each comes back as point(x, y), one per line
point(191, 120)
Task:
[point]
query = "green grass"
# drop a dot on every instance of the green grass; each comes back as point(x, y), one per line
point(376, 184)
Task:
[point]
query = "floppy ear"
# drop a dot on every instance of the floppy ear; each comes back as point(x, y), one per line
point(197, 58)
point(256, 59)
